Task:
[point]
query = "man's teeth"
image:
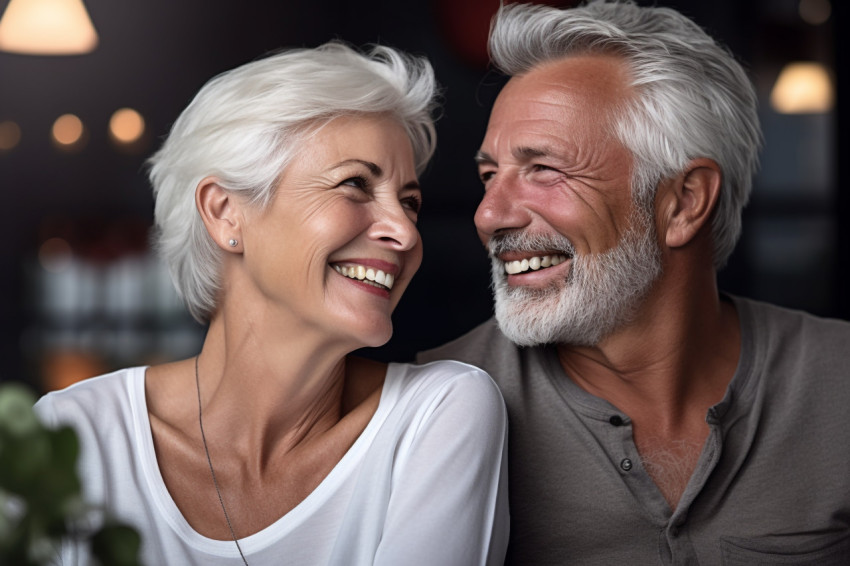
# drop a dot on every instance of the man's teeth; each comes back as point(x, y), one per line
point(534, 263)
point(367, 274)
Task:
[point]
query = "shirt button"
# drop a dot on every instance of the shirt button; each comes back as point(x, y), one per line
point(626, 464)
point(616, 420)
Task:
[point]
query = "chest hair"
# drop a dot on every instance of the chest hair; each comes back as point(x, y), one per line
point(670, 465)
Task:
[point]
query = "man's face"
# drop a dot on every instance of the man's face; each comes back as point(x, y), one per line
point(572, 256)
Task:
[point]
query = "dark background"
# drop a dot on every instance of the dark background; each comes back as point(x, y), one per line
point(154, 55)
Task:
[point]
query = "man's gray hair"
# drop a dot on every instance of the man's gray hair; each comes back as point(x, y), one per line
point(245, 126)
point(693, 99)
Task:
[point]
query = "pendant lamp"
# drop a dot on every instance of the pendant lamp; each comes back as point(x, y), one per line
point(47, 27)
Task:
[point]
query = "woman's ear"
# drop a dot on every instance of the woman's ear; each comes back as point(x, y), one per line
point(220, 213)
point(688, 201)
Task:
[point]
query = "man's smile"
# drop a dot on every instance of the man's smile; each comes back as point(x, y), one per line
point(533, 263)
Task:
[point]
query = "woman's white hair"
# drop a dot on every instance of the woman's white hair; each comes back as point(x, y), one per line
point(245, 125)
point(693, 98)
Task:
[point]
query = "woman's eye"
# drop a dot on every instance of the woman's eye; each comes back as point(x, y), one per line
point(357, 181)
point(412, 203)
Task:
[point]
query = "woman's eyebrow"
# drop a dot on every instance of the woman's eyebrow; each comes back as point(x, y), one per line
point(373, 168)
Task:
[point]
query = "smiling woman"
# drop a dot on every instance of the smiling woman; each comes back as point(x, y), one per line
point(349, 199)
point(286, 208)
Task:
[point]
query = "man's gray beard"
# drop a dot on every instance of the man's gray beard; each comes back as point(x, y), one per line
point(600, 294)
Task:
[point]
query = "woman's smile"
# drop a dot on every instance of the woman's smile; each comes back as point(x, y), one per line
point(375, 273)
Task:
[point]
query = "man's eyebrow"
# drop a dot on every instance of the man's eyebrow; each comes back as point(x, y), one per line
point(523, 153)
point(373, 168)
point(482, 157)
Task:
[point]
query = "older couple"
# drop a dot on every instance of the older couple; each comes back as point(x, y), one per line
point(651, 419)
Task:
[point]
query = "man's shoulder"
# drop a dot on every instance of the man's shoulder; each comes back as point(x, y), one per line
point(478, 344)
point(484, 346)
point(767, 317)
point(796, 347)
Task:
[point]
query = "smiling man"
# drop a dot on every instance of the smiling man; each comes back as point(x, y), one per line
point(653, 419)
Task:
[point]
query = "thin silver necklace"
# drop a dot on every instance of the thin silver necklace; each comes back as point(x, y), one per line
point(209, 461)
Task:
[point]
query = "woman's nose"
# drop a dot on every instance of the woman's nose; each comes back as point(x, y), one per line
point(394, 226)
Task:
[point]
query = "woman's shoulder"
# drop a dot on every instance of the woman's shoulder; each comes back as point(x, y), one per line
point(462, 386)
point(442, 372)
point(92, 399)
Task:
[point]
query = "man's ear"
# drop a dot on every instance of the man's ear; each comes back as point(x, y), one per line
point(220, 213)
point(687, 201)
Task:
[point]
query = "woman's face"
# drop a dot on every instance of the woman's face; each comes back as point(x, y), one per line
point(338, 244)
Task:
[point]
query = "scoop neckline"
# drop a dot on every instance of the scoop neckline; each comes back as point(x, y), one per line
point(260, 540)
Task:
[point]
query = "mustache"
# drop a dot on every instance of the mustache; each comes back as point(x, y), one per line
point(526, 242)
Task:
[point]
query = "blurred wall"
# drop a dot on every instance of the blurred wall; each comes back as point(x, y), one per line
point(155, 54)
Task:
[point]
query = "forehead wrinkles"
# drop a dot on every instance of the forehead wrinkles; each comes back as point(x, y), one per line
point(589, 89)
point(567, 110)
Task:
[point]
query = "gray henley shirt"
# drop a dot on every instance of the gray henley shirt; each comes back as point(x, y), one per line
point(772, 485)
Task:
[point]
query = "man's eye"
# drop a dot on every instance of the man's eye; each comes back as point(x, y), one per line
point(486, 175)
point(545, 174)
point(412, 203)
point(538, 167)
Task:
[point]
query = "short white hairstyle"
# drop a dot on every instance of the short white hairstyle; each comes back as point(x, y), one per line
point(693, 99)
point(244, 127)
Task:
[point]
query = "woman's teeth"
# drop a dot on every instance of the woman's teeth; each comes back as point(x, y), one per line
point(534, 263)
point(367, 274)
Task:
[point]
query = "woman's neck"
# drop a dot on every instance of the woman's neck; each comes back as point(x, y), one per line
point(269, 389)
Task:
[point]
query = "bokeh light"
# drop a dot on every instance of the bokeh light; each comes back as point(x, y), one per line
point(815, 12)
point(126, 126)
point(10, 135)
point(68, 130)
point(803, 88)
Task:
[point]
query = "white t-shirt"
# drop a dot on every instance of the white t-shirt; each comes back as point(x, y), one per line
point(424, 484)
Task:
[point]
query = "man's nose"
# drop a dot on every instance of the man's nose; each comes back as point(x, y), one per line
point(502, 208)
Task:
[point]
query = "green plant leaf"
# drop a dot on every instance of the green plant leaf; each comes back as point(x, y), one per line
point(16, 414)
point(117, 545)
point(40, 490)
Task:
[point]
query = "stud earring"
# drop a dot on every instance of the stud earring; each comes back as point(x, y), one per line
point(232, 242)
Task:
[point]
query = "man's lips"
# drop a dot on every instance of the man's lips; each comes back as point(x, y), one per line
point(517, 264)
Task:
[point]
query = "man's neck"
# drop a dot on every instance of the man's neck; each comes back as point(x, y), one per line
point(681, 350)
point(664, 371)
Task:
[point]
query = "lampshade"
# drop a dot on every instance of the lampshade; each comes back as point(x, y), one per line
point(802, 88)
point(47, 27)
